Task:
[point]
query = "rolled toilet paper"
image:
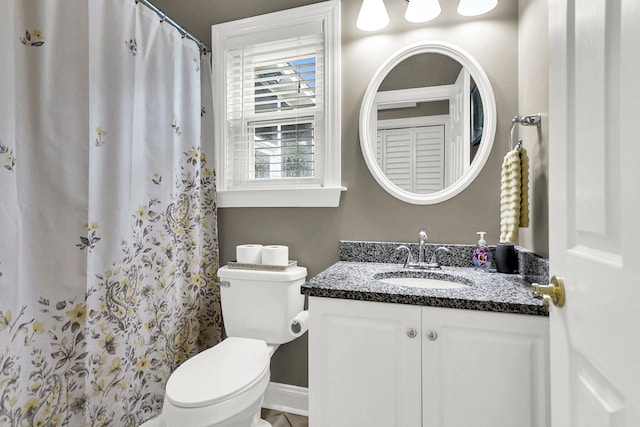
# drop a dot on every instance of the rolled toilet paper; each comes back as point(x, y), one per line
point(299, 324)
point(249, 254)
point(275, 255)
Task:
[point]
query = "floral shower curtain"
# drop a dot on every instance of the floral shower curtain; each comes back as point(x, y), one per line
point(108, 227)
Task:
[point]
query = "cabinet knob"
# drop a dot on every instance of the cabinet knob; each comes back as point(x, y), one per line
point(432, 335)
point(411, 333)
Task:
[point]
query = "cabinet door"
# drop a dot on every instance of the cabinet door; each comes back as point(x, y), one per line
point(484, 369)
point(364, 368)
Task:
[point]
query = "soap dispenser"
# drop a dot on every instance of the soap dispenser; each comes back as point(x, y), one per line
point(481, 258)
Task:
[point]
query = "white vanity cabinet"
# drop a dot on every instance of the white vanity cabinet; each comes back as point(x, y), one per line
point(364, 370)
point(484, 369)
point(392, 365)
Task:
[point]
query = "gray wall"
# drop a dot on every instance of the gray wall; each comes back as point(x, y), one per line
point(439, 70)
point(366, 211)
point(442, 70)
point(533, 89)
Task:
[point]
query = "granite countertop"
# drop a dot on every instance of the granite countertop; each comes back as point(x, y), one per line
point(487, 291)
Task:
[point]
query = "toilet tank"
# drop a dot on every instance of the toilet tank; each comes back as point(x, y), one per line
point(261, 304)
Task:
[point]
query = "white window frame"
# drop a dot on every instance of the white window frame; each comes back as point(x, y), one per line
point(324, 192)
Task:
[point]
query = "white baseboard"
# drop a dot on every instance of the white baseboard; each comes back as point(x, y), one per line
point(287, 398)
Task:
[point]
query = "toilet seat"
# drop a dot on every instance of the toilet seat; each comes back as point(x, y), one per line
point(219, 373)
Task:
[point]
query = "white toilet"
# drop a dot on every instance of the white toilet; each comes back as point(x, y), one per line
point(224, 385)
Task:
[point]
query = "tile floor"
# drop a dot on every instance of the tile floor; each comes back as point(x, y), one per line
point(283, 419)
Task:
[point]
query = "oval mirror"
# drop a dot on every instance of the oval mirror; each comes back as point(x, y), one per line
point(427, 122)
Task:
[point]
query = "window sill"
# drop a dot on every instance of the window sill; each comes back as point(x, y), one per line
point(281, 198)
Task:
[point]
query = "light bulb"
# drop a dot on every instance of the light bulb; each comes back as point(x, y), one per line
point(373, 16)
point(476, 7)
point(422, 10)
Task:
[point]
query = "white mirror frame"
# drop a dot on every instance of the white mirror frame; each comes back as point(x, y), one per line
point(489, 127)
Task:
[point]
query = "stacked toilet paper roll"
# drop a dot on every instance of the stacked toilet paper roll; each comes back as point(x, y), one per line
point(249, 254)
point(275, 255)
point(253, 253)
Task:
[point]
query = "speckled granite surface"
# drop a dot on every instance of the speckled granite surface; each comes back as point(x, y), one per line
point(487, 291)
point(531, 266)
point(357, 251)
point(351, 278)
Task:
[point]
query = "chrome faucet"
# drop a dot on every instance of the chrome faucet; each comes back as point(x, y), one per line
point(422, 254)
point(422, 236)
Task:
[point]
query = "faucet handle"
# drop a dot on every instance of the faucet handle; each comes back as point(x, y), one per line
point(422, 236)
point(409, 256)
point(442, 248)
point(434, 258)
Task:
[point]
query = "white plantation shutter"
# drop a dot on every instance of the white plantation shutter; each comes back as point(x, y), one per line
point(413, 157)
point(275, 110)
point(398, 157)
point(429, 160)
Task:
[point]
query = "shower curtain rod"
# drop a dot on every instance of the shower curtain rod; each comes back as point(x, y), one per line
point(164, 18)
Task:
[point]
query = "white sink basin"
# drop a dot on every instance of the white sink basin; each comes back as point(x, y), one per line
point(422, 282)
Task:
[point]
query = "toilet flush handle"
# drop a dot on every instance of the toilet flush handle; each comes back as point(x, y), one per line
point(221, 283)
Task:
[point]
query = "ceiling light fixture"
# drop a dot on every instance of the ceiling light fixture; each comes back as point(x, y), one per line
point(422, 10)
point(476, 7)
point(373, 16)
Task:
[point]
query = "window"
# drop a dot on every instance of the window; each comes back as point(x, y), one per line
point(277, 108)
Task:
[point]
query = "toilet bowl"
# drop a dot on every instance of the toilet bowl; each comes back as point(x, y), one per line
point(220, 386)
point(224, 385)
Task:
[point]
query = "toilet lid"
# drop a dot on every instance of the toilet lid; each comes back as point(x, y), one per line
point(218, 373)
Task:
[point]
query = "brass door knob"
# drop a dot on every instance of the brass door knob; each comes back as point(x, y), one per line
point(554, 291)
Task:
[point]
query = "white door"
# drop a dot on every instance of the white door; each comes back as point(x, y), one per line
point(594, 204)
point(458, 150)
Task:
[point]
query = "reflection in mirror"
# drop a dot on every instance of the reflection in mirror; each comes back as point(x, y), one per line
point(427, 122)
point(427, 137)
